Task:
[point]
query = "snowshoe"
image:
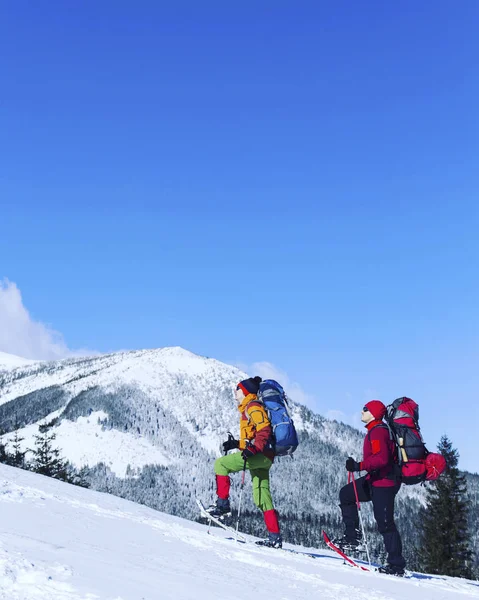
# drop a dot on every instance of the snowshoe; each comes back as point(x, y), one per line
point(349, 545)
point(392, 570)
point(274, 540)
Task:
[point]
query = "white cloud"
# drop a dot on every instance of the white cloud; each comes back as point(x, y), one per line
point(267, 370)
point(22, 335)
point(293, 389)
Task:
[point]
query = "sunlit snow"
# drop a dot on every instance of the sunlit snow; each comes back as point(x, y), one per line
point(61, 542)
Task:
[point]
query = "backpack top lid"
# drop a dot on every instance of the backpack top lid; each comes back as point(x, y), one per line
point(403, 411)
point(272, 385)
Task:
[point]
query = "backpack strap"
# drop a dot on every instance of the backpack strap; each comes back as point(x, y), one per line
point(269, 447)
point(382, 426)
point(393, 473)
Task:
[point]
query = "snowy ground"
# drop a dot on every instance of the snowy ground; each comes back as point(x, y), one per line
point(60, 542)
point(10, 361)
point(84, 441)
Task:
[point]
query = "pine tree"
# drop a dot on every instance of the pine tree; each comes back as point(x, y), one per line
point(445, 540)
point(46, 457)
point(80, 477)
point(18, 456)
point(5, 457)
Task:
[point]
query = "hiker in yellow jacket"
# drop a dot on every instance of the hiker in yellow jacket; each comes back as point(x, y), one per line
point(256, 454)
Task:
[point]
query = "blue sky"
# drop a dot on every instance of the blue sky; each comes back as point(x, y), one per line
point(293, 183)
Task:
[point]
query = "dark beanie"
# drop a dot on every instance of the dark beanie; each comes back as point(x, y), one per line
point(250, 386)
point(376, 408)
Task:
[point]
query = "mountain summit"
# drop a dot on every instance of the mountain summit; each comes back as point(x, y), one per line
point(11, 361)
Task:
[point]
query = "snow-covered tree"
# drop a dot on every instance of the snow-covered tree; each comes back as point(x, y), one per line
point(445, 546)
point(46, 457)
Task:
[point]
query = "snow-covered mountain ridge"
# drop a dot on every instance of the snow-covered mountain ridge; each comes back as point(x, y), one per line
point(149, 425)
point(61, 542)
point(10, 361)
point(160, 376)
point(197, 390)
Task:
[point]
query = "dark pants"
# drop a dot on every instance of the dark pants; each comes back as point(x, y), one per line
point(383, 507)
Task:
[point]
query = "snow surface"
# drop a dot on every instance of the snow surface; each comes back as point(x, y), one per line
point(61, 542)
point(10, 361)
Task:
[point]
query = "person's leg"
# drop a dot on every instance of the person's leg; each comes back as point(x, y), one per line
point(259, 466)
point(383, 505)
point(231, 463)
point(263, 500)
point(349, 509)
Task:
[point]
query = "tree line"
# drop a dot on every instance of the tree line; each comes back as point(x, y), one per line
point(44, 458)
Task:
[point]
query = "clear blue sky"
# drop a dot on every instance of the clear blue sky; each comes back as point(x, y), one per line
point(288, 182)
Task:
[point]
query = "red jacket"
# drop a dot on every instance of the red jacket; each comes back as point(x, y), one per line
point(378, 455)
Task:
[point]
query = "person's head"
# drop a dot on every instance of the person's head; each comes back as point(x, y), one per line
point(246, 387)
point(373, 411)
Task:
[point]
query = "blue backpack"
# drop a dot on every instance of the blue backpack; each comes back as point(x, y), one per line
point(272, 395)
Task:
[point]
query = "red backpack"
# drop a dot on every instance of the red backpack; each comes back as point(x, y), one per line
point(417, 464)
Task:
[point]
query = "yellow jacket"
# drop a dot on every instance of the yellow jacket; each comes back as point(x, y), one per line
point(255, 426)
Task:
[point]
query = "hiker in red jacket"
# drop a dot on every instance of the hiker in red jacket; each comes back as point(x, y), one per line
point(380, 486)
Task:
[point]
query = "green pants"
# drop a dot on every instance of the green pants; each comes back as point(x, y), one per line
point(259, 466)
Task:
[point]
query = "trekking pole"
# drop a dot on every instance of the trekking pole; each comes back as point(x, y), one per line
point(358, 504)
point(240, 498)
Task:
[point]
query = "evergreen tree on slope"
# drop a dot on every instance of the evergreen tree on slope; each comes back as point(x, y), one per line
point(18, 456)
point(445, 540)
point(46, 457)
point(4, 455)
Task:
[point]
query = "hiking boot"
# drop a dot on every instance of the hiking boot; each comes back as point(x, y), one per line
point(274, 540)
point(392, 570)
point(220, 510)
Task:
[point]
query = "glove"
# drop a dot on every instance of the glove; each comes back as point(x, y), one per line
point(352, 465)
point(249, 451)
point(230, 444)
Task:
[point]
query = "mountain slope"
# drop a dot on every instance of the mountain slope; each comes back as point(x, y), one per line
point(60, 542)
point(176, 408)
point(149, 425)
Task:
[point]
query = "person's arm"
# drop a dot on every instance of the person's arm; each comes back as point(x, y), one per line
point(259, 419)
point(262, 437)
point(380, 455)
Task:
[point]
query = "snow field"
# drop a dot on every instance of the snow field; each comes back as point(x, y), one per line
point(59, 541)
point(83, 441)
point(10, 361)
